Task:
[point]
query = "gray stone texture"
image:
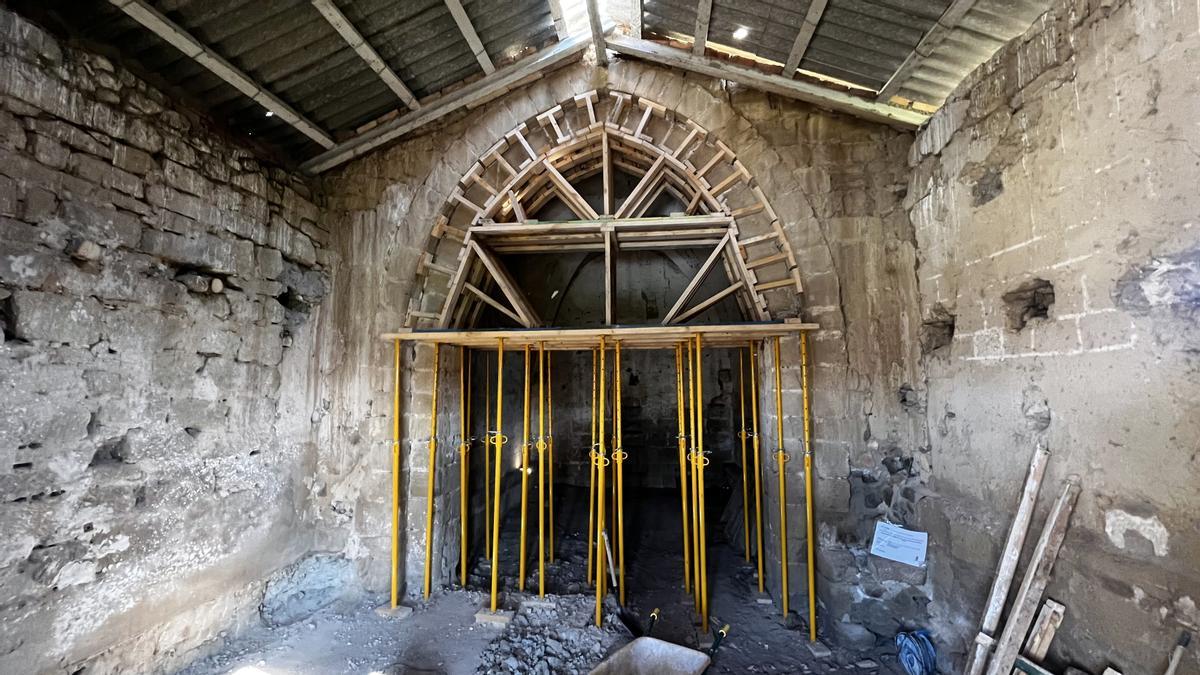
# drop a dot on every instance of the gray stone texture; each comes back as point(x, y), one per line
point(151, 437)
point(1082, 133)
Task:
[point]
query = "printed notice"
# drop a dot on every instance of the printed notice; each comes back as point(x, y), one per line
point(896, 543)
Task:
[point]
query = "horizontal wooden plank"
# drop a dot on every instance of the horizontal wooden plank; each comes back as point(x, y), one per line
point(631, 337)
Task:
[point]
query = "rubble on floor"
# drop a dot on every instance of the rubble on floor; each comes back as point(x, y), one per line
point(555, 635)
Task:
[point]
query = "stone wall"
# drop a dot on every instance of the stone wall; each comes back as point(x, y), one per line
point(154, 433)
point(1069, 160)
point(837, 185)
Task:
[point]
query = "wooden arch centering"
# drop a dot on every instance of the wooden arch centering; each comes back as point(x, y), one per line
point(489, 213)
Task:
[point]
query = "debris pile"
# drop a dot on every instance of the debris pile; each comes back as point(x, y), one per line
point(555, 635)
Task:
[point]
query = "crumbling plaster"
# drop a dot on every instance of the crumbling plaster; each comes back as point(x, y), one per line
point(1071, 156)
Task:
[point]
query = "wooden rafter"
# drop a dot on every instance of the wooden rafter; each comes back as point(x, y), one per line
point(177, 37)
point(468, 32)
point(712, 300)
point(610, 277)
point(816, 8)
point(569, 194)
point(595, 22)
point(703, 14)
point(479, 293)
point(364, 49)
point(508, 286)
point(560, 20)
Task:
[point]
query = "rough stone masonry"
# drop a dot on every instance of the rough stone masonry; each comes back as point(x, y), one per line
point(158, 285)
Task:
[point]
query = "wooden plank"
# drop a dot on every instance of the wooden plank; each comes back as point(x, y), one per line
point(597, 25)
point(177, 37)
point(1029, 668)
point(766, 260)
point(1048, 621)
point(468, 32)
point(811, 18)
point(777, 84)
point(697, 279)
point(929, 43)
point(508, 286)
point(456, 286)
point(607, 164)
point(635, 337)
point(569, 194)
point(709, 302)
point(1033, 585)
point(474, 94)
point(1007, 566)
point(771, 285)
point(639, 191)
point(493, 302)
point(365, 51)
point(703, 14)
point(560, 20)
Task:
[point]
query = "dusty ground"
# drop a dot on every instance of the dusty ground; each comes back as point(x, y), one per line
point(441, 636)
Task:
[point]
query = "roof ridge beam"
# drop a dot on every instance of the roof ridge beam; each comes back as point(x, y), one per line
point(359, 44)
point(178, 37)
point(468, 32)
point(816, 8)
point(928, 44)
point(825, 97)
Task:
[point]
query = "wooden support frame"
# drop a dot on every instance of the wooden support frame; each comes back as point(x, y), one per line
point(697, 279)
point(703, 16)
point(596, 23)
point(928, 44)
point(816, 9)
point(507, 285)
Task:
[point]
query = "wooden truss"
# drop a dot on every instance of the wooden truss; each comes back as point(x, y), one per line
point(491, 213)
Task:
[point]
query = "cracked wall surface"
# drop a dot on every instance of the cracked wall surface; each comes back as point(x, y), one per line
point(157, 292)
point(837, 185)
point(1070, 157)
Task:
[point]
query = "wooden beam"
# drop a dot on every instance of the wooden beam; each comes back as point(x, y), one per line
point(508, 286)
point(494, 303)
point(606, 163)
point(703, 14)
point(597, 27)
point(468, 32)
point(1048, 621)
point(697, 279)
point(477, 93)
point(639, 192)
point(716, 297)
point(815, 9)
point(1033, 585)
point(360, 45)
point(569, 194)
point(831, 99)
point(177, 37)
point(932, 39)
point(560, 20)
point(636, 337)
point(456, 286)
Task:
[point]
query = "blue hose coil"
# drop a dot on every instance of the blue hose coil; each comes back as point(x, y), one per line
point(917, 654)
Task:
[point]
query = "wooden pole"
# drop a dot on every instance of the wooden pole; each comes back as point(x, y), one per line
point(1007, 567)
point(1037, 576)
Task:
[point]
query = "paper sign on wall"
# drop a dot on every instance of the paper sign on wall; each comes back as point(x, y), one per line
point(896, 543)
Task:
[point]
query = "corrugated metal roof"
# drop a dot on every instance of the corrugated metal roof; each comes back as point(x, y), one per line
point(289, 48)
point(863, 42)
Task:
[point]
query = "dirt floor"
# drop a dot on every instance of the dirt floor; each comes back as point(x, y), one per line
point(557, 635)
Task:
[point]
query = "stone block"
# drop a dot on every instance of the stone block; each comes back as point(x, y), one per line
point(185, 179)
point(292, 243)
point(270, 262)
point(890, 570)
point(206, 252)
point(133, 160)
point(56, 318)
point(260, 345)
point(498, 619)
point(12, 132)
point(50, 152)
point(101, 224)
point(297, 592)
point(188, 205)
point(100, 172)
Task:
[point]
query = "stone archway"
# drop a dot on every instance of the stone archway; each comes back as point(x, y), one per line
point(600, 133)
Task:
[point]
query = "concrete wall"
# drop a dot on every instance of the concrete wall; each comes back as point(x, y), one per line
point(837, 184)
point(1071, 156)
point(153, 437)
